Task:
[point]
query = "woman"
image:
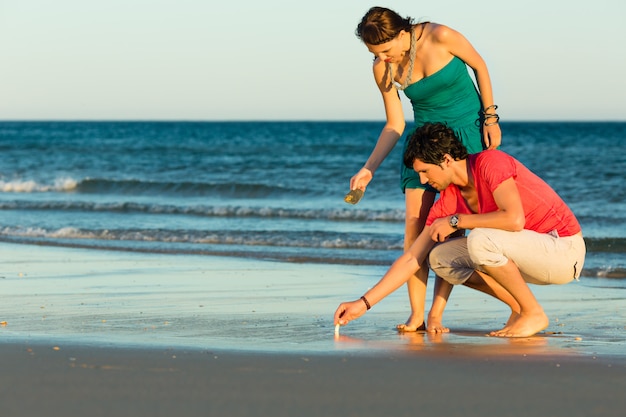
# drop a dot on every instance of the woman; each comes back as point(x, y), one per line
point(429, 62)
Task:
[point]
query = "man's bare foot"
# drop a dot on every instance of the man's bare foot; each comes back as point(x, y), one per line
point(524, 325)
point(512, 318)
point(411, 326)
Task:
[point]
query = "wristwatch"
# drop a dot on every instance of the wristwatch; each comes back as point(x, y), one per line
point(454, 221)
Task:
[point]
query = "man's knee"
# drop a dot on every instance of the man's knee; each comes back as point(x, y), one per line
point(437, 259)
point(449, 261)
point(484, 247)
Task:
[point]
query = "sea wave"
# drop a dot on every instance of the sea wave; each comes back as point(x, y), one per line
point(594, 244)
point(31, 186)
point(105, 186)
point(362, 250)
point(209, 210)
point(182, 188)
point(606, 244)
point(605, 272)
point(277, 239)
point(300, 239)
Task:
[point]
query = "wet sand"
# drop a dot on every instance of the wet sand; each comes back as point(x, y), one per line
point(77, 381)
point(109, 333)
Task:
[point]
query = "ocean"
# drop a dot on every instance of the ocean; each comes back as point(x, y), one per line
point(270, 190)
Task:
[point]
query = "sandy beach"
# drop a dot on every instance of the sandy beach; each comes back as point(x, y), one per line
point(96, 333)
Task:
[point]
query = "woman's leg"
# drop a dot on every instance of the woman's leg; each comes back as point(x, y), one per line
point(418, 203)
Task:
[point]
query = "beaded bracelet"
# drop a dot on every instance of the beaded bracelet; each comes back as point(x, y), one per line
point(367, 303)
point(493, 115)
point(493, 106)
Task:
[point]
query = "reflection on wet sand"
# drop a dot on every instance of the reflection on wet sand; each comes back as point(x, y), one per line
point(465, 342)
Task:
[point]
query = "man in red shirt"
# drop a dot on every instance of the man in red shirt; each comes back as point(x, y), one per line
point(521, 232)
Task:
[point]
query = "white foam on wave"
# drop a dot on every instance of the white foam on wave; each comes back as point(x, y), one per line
point(31, 186)
point(39, 232)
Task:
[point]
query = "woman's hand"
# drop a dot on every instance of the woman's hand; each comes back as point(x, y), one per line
point(361, 179)
point(492, 136)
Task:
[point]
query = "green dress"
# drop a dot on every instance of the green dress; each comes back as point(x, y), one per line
point(448, 96)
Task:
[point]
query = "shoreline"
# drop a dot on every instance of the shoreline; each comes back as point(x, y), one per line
point(107, 298)
point(118, 333)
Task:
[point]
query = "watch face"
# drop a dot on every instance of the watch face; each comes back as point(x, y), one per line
point(454, 220)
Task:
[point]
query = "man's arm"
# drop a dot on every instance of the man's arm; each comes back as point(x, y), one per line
point(509, 216)
point(399, 273)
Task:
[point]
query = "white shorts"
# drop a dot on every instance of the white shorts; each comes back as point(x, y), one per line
point(541, 258)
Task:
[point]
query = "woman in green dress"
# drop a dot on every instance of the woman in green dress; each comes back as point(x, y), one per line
point(429, 62)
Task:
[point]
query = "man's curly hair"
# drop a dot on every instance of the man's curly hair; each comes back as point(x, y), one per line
point(431, 142)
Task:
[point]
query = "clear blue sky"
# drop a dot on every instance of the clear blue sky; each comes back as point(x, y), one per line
point(291, 60)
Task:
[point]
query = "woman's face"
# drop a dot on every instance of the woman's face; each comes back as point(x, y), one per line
point(392, 51)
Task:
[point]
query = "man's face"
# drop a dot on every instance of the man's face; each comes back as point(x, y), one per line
point(437, 176)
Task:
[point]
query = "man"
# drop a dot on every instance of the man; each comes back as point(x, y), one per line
point(520, 231)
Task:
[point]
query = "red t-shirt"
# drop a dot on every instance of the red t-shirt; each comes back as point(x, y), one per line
point(545, 211)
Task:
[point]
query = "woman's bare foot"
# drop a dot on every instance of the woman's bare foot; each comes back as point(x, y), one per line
point(405, 328)
point(412, 325)
point(524, 325)
point(435, 326)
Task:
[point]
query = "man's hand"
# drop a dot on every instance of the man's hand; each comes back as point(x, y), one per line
point(440, 229)
point(346, 312)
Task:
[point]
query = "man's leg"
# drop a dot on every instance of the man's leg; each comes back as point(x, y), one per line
point(451, 261)
point(541, 258)
point(482, 282)
point(532, 318)
point(512, 259)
